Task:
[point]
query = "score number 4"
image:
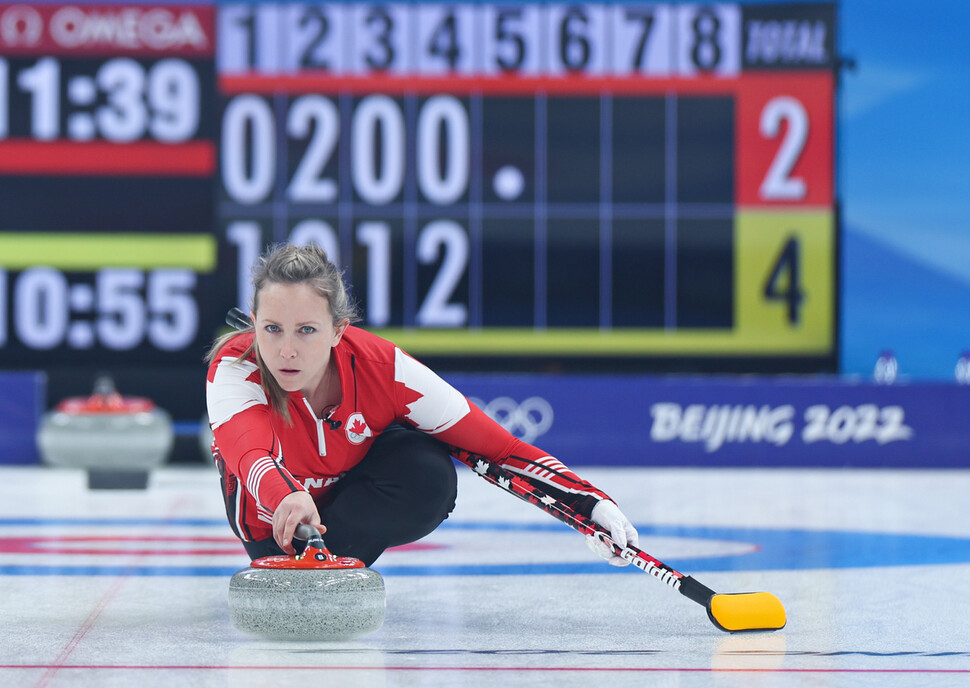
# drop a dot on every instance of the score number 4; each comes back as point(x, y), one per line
point(783, 283)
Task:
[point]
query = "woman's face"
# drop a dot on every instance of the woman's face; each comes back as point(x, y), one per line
point(295, 333)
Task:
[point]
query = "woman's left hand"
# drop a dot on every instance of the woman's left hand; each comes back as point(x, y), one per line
point(622, 532)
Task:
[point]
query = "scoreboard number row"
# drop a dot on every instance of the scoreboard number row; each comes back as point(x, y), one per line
point(595, 39)
point(788, 166)
point(783, 288)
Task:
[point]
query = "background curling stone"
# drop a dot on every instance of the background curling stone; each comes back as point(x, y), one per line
point(311, 596)
point(117, 439)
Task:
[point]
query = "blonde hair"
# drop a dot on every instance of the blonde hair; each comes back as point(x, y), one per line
point(289, 264)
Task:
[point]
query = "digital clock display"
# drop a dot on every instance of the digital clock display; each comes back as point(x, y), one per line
point(620, 181)
point(130, 308)
point(107, 155)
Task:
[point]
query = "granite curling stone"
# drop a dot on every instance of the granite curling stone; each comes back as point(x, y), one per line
point(314, 595)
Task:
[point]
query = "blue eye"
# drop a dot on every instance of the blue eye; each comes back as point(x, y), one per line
point(272, 328)
point(308, 329)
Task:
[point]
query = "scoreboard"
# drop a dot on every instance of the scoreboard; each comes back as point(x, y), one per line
point(626, 181)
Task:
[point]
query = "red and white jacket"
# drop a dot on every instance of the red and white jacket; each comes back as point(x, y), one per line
point(380, 385)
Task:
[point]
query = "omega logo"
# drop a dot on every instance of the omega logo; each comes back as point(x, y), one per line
point(21, 25)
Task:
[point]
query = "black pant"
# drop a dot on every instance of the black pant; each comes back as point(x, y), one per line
point(402, 490)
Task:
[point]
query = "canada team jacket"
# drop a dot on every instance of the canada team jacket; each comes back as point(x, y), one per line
point(380, 385)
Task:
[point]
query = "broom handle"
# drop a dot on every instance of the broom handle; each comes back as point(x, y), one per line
point(526, 491)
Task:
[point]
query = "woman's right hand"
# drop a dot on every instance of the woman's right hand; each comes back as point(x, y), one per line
point(296, 508)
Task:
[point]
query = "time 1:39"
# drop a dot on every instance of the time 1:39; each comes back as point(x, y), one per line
point(123, 100)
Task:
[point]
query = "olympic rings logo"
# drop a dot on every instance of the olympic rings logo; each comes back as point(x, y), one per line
point(527, 421)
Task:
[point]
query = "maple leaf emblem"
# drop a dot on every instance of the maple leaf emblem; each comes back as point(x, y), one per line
point(357, 430)
point(504, 483)
point(547, 500)
point(481, 467)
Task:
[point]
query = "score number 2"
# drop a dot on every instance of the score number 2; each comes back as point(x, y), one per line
point(785, 135)
point(779, 184)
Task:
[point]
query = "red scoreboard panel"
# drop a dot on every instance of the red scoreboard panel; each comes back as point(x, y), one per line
point(618, 182)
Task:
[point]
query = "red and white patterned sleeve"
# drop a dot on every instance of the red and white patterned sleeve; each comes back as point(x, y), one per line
point(240, 417)
point(435, 407)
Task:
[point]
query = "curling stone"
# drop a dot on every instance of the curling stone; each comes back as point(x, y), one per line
point(117, 439)
point(314, 595)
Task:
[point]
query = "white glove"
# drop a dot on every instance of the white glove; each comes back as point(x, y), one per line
point(608, 515)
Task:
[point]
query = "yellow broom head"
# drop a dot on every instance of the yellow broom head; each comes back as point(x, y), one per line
point(747, 611)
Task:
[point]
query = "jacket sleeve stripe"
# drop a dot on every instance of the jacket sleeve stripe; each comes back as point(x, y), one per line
point(438, 405)
point(232, 390)
point(259, 469)
point(558, 480)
